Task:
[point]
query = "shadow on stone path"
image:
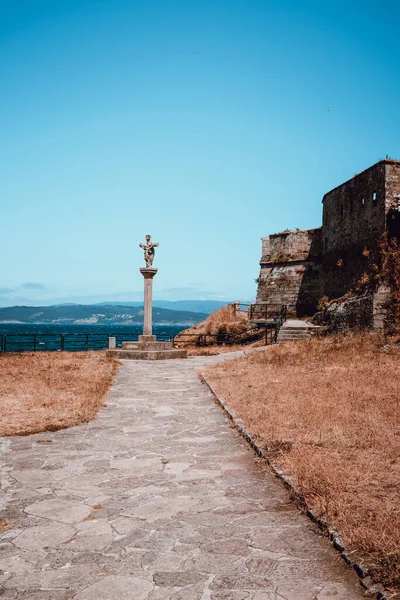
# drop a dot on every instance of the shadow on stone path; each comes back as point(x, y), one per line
point(159, 498)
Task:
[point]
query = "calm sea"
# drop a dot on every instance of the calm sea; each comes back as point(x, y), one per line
point(18, 337)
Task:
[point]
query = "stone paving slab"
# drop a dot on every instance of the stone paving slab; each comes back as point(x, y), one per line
point(157, 499)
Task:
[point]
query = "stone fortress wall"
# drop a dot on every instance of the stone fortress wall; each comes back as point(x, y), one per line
point(300, 267)
point(291, 269)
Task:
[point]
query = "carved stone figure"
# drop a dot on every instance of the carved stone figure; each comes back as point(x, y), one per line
point(149, 251)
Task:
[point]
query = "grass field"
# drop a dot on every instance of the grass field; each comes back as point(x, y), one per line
point(52, 390)
point(328, 412)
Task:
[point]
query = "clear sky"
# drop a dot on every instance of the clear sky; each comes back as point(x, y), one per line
point(207, 123)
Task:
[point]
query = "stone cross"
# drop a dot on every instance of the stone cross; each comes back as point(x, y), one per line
point(148, 273)
point(149, 251)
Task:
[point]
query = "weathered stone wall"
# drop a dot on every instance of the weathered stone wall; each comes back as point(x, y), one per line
point(354, 218)
point(290, 270)
point(355, 314)
point(299, 267)
point(393, 198)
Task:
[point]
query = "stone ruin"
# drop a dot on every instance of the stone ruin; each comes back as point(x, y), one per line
point(298, 268)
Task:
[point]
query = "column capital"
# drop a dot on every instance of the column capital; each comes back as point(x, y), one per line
point(148, 272)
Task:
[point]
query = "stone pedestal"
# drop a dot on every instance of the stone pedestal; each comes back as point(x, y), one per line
point(147, 347)
point(142, 354)
point(147, 350)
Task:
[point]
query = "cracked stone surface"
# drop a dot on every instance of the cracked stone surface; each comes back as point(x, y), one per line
point(159, 498)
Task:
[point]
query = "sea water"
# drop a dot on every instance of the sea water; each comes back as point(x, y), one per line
point(21, 337)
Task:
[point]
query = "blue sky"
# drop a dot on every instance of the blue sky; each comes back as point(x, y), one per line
point(207, 123)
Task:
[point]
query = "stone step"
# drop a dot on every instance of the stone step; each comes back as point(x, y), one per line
point(293, 330)
point(289, 336)
point(130, 345)
point(147, 354)
point(293, 334)
point(296, 331)
point(288, 339)
point(291, 339)
point(147, 346)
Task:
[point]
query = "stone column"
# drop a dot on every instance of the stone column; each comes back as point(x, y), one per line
point(148, 274)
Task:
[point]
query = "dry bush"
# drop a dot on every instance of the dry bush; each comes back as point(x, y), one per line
point(50, 391)
point(390, 252)
point(383, 268)
point(220, 322)
point(329, 410)
point(226, 320)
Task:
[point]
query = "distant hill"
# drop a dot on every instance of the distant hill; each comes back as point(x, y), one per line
point(102, 314)
point(202, 306)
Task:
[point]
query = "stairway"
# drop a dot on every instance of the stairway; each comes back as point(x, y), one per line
point(293, 330)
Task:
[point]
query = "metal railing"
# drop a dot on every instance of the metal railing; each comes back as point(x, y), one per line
point(268, 312)
point(250, 335)
point(267, 320)
point(237, 307)
point(59, 342)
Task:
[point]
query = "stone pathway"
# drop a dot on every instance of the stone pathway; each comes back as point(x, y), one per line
point(159, 498)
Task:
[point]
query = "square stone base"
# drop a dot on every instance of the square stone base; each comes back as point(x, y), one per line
point(145, 339)
point(147, 354)
point(147, 348)
point(147, 345)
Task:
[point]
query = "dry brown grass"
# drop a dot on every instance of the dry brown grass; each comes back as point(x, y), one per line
point(328, 410)
point(50, 391)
